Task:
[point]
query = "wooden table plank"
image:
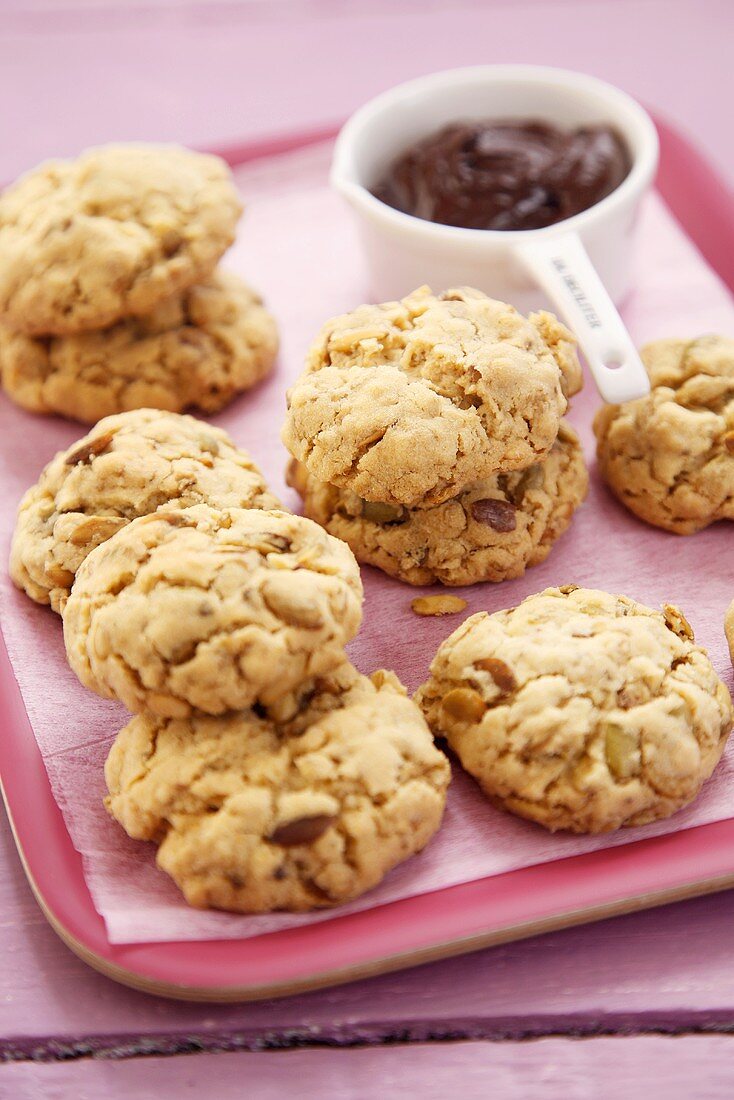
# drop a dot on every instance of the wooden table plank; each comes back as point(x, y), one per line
point(669, 968)
point(617, 1069)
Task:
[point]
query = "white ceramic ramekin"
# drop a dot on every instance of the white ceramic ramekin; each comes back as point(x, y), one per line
point(526, 267)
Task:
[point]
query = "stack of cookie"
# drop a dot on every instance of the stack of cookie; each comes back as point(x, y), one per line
point(269, 771)
point(110, 295)
point(428, 434)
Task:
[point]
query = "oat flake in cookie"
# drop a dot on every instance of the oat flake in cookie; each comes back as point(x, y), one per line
point(669, 457)
point(492, 531)
point(198, 349)
point(88, 241)
point(127, 466)
point(580, 710)
point(408, 402)
point(254, 816)
point(213, 609)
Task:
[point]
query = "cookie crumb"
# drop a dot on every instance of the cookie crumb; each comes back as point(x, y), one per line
point(676, 621)
point(438, 605)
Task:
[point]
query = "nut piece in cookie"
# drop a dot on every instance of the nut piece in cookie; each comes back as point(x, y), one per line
point(438, 605)
point(580, 710)
point(408, 402)
point(255, 816)
point(212, 609)
point(669, 457)
point(198, 349)
point(127, 466)
point(492, 531)
point(86, 242)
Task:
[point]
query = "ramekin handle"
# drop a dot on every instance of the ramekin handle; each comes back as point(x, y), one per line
point(562, 268)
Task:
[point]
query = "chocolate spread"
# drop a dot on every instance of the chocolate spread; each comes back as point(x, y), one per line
point(513, 174)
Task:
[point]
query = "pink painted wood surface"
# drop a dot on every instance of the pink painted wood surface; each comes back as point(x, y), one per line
point(204, 74)
point(208, 72)
point(669, 969)
point(575, 1069)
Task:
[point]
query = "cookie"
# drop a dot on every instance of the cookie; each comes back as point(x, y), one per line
point(669, 457)
point(492, 531)
point(214, 609)
point(86, 242)
point(409, 402)
point(198, 349)
point(580, 710)
point(729, 629)
point(127, 466)
point(252, 816)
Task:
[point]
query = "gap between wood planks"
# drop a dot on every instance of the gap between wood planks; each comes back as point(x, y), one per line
point(112, 1048)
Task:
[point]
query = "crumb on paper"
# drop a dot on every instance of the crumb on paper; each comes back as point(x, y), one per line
point(438, 605)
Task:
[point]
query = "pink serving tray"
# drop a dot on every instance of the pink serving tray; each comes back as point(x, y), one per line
point(447, 922)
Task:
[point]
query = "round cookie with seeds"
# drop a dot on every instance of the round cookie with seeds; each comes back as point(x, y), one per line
point(254, 816)
point(580, 710)
point(212, 609)
point(86, 242)
point(408, 402)
point(198, 349)
point(669, 457)
point(493, 531)
point(127, 466)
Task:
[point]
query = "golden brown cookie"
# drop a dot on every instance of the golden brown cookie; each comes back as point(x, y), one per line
point(580, 710)
point(197, 349)
point(127, 466)
point(492, 531)
point(213, 609)
point(669, 457)
point(86, 242)
point(254, 816)
point(409, 402)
